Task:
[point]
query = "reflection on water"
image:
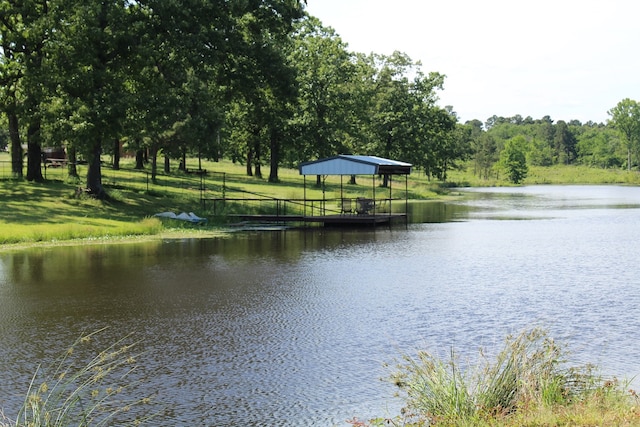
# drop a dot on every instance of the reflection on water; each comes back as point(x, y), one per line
point(294, 327)
point(422, 212)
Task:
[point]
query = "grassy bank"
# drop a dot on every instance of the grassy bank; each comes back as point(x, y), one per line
point(59, 211)
point(558, 175)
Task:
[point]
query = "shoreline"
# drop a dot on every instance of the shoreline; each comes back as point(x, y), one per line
point(118, 240)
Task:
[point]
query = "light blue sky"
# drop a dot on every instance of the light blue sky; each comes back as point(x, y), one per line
point(569, 59)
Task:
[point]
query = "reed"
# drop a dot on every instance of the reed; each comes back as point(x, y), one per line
point(94, 394)
point(528, 382)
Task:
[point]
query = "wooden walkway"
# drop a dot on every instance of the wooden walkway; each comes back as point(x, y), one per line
point(326, 220)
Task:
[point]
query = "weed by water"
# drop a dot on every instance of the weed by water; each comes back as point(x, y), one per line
point(95, 394)
point(528, 383)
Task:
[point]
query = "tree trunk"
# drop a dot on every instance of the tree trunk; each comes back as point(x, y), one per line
point(275, 157)
point(216, 152)
point(72, 159)
point(257, 159)
point(94, 173)
point(139, 159)
point(16, 146)
point(34, 152)
point(116, 154)
point(183, 161)
point(249, 162)
point(154, 163)
point(167, 164)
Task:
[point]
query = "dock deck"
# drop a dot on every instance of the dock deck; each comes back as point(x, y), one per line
point(326, 220)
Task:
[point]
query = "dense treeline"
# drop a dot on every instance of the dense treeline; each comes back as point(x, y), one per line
point(542, 142)
point(256, 81)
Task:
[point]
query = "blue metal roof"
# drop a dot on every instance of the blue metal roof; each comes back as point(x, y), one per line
point(344, 164)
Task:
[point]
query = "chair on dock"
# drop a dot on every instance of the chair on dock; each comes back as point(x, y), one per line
point(365, 206)
point(346, 207)
point(383, 206)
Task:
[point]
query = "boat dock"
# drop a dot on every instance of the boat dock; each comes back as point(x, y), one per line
point(347, 210)
point(325, 220)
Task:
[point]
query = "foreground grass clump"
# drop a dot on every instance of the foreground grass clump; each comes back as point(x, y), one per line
point(93, 394)
point(527, 384)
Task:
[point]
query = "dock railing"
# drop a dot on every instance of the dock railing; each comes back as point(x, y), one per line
point(254, 204)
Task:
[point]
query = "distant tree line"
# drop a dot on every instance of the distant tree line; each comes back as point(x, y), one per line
point(259, 82)
point(496, 143)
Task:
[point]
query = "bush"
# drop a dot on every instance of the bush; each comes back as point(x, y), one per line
point(529, 375)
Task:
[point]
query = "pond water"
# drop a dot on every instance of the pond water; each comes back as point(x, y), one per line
point(295, 327)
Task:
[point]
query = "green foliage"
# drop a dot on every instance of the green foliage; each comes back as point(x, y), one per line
point(329, 105)
point(485, 152)
point(625, 117)
point(613, 145)
point(599, 148)
point(540, 153)
point(513, 160)
point(260, 83)
point(158, 74)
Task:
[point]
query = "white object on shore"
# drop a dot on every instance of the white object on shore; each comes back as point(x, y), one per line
point(190, 217)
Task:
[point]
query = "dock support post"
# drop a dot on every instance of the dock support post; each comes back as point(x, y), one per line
point(406, 201)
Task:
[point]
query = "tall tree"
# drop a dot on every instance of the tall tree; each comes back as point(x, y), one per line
point(157, 106)
point(262, 79)
point(439, 142)
point(513, 159)
point(25, 29)
point(35, 82)
point(326, 76)
point(405, 122)
point(484, 148)
point(10, 74)
point(391, 121)
point(93, 45)
point(625, 117)
point(565, 143)
point(185, 62)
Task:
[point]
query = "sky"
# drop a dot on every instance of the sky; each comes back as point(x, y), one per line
point(566, 59)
